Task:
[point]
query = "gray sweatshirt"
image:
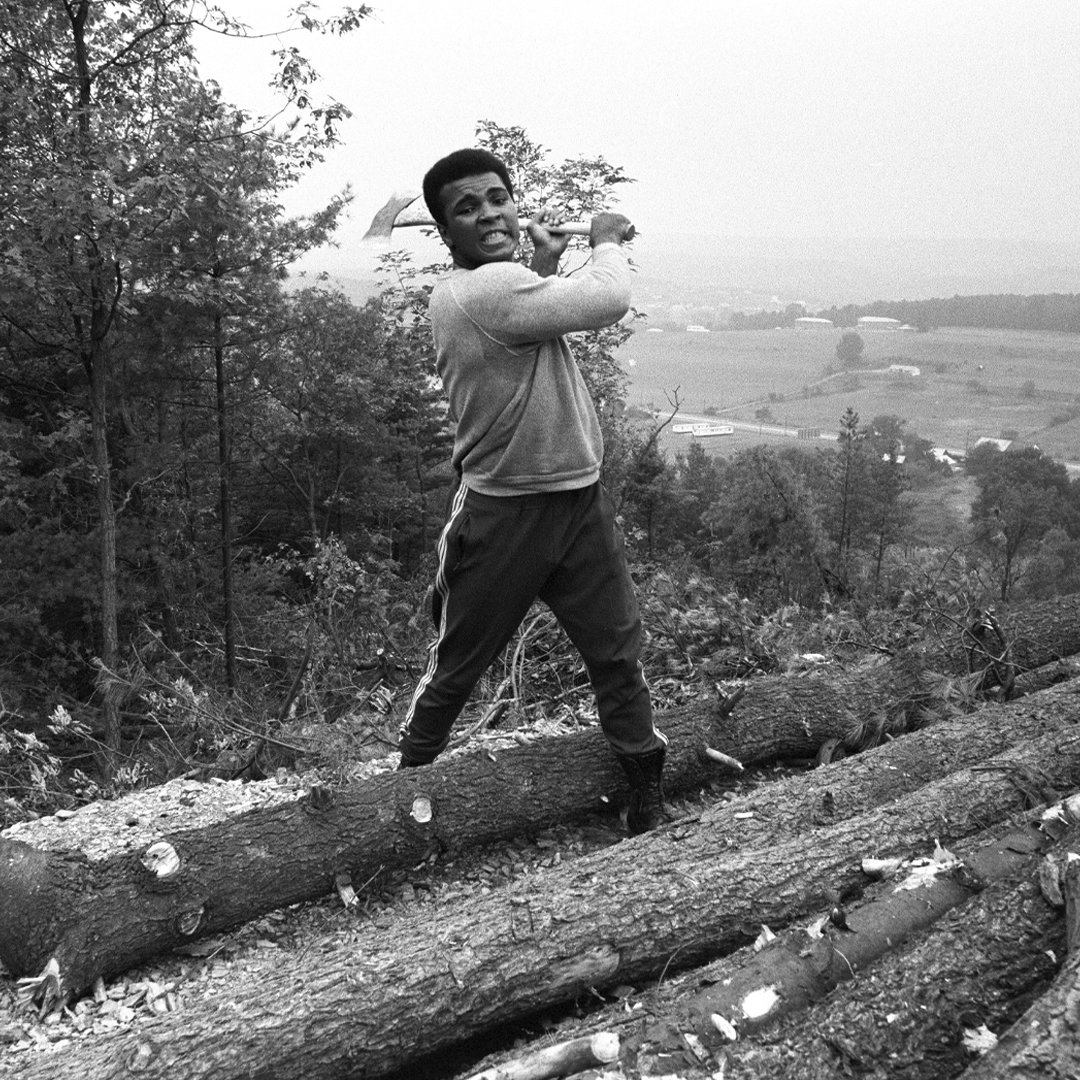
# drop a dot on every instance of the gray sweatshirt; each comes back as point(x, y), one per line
point(525, 422)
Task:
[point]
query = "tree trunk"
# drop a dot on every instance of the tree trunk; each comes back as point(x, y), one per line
point(764, 991)
point(801, 965)
point(563, 1059)
point(108, 683)
point(91, 892)
point(1044, 1043)
point(357, 1006)
point(92, 330)
point(221, 410)
point(906, 1017)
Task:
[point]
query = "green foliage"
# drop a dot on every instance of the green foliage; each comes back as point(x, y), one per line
point(1023, 496)
point(1055, 312)
point(849, 348)
point(359, 623)
point(768, 528)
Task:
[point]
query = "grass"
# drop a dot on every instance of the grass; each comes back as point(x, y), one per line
point(972, 383)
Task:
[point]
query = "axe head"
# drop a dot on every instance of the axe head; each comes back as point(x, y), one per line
point(403, 208)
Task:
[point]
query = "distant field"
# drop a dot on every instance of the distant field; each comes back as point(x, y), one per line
point(972, 383)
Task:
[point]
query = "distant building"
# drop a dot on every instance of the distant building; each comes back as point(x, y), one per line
point(693, 328)
point(904, 369)
point(701, 431)
point(1001, 444)
point(949, 458)
point(878, 322)
point(807, 322)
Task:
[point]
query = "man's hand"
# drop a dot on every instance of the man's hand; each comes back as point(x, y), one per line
point(548, 246)
point(607, 228)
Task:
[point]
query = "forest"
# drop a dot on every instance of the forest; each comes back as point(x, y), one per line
point(1059, 312)
point(221, 487)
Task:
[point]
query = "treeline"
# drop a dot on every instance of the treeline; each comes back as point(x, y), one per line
point(1005, 311)
point(828, 526)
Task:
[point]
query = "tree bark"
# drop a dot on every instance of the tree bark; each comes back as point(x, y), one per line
point(224, 462)
point(780, 979)
point(803, 964)
point(353, 1007)
point(907, 1016)
point(563, 1059)
point(92, 327)
point(1044, 1044)
point(97, 892)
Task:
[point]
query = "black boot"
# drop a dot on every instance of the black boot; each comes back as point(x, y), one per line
point(408, 763)
point(645, 773)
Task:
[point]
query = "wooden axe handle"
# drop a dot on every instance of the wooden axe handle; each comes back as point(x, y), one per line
point(407, 209)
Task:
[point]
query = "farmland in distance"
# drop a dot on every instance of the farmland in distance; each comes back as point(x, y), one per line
point(972, 383)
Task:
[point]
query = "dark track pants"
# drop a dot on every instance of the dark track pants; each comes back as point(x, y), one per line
point(496, 555)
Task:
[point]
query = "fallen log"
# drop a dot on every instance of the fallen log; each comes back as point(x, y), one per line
point(98, 892)
point(766, 984)
point(563, 1059)
point(789, 971)
point(1044, 1044)
point(1048, 675)
point(373, 1004)
point(919, 1013)
point(115, 883)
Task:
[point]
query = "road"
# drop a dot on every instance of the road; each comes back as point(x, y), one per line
point(1071, 467)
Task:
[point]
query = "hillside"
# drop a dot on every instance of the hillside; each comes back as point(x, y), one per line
point(971, 384)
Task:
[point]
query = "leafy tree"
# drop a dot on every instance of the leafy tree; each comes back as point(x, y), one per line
point(851, 460)
point(314, 431)
point(105, 126)
point(1055, 566)
point(887, 514)
point(1022, 496)
point(849, 348)
point(649, 494)
point(768, 525)
point(699, 483)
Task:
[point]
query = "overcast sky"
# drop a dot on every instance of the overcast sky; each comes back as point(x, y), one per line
point(790, 118)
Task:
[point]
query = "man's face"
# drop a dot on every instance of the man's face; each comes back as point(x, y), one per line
point(481, 221)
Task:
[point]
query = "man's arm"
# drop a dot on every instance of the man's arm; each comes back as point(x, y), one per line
point(516, 305)
point(548, 246)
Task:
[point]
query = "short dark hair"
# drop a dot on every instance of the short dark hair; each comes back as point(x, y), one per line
point(457, 166)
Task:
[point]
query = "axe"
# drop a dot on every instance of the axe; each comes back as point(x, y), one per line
point(406, 208)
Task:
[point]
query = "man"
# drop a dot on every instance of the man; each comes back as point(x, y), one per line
point(530, 518)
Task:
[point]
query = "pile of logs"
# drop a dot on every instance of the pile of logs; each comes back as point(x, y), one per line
point(847, 867)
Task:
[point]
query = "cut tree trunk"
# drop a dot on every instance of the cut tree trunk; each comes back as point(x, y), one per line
point(765, 985)
point(914, 1013)
point(118, 882)
point(563, 1059)
point(801, 965)
point(1044, 1044)
point(369, 1005)
point(98, 892)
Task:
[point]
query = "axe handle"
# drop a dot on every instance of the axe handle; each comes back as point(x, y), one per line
point(573, 228)
point(578, 228)
point(405, 208)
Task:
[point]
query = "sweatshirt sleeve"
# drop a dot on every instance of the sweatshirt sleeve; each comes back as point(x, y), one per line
point(514, 305)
